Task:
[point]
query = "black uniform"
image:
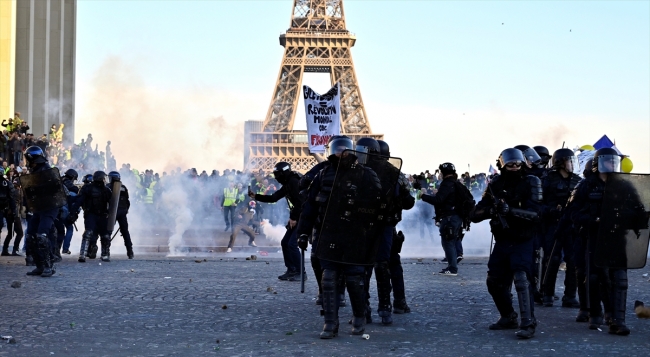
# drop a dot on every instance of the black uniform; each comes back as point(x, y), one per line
point(122, 210)
point(347, 208)
point(606, 285)
point(290, 189)
point(557, 191)
point(94, 198)
point(8, 212)
point(513, 249)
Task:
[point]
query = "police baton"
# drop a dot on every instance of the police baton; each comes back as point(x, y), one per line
point(75, 227)
point(302, 270)
point(116, 232)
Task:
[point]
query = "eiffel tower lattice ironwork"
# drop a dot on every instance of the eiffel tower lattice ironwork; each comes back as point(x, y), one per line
point(317, 41)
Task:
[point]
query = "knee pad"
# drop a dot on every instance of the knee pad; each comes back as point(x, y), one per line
point(88, 235)
point(382, 270)
point(42, 241)
point(521, 280)
point(329, 278)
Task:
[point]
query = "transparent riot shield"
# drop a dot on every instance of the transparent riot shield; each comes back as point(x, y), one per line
point(116, 187)
point(623, 234)
point(355, 208)
point(43, 190)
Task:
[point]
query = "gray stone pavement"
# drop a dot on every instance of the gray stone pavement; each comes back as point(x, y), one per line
point(213, 304)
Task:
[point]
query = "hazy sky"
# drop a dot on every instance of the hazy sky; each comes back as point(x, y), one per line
point(171, 82)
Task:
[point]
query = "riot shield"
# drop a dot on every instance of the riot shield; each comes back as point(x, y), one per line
point(623, 233)
point(116, 187)
point(354, 210)
point(43, 190)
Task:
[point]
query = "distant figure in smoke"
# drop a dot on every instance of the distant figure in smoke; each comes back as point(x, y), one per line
point(229, 204)
point(290, 189)
point(245, 214)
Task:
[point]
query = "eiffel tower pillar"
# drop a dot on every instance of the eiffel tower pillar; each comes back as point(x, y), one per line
point(317, 41)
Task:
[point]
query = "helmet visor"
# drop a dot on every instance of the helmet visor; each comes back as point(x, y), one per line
point(361, 152)
point(337, 146)
point(609, 163)
point(532, 157)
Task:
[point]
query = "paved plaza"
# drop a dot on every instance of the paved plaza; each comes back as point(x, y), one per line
point(214, 304)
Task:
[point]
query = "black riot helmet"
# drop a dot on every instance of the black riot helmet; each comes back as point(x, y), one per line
point(543, 152)
point(71, 174)
point(99, 176)
point(563, 158)
point(447, 168)
point(588, 169)
point(338, 144)
point(34, 155)
point(114, 176)
point(510, 157)
point(384, 149)
point(531, 156)
point(88, 178)
point(366, 145)
point(282, 172)
point(606, 160)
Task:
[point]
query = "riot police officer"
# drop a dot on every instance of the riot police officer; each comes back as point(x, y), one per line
point(586, 202)
point(73, 213)
point(44, 207)
point(511, 201)
point(450, 222)
point(122, 210)
point(533, 161)
point(402, 201)
point(544, 154)
point(290, 189)
point(94, 199)
point(345, 198)
point(388, 175)
point(7, 210)
point(557, 186)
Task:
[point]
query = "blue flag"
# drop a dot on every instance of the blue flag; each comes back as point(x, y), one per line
point(603, 142)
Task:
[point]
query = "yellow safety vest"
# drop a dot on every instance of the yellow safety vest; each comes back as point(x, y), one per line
point(148, 199)
point(230, 196)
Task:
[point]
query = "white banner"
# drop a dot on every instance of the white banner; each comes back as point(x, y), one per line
point(323, 114)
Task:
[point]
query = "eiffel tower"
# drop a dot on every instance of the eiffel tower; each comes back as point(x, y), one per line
point(316, 41)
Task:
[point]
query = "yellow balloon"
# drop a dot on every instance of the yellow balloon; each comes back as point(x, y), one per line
point(626, 165)
point(587, 148)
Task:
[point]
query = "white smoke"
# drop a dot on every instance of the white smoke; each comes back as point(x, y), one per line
point(273, 233)
point(175, 200)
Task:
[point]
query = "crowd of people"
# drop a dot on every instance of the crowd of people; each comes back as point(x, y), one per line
point(347, 208)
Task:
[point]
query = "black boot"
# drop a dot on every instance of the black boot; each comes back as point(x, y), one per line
point(570, 301)
point(499, 289)
point(508, 322)
point(619, 299)
point(84, 250)
point(330, 305)
point(29, 261)
point(106, 249)
point(355, 285)
point(583, 316)
point(527, 325)
point(5, 252)
point(595, 321)
point(400, 307)
point(45, 255)
point(129, 252)
point(384, 309)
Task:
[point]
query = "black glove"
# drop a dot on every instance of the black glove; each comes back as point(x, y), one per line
point(416, 185)
point(303, 241)
point(502, 207)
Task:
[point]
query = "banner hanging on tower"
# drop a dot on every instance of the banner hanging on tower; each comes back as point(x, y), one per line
point(323, 113)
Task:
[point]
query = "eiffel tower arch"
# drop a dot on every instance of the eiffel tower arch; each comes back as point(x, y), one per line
point(316, 41)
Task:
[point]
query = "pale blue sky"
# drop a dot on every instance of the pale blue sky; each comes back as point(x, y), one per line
point(445, 81)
